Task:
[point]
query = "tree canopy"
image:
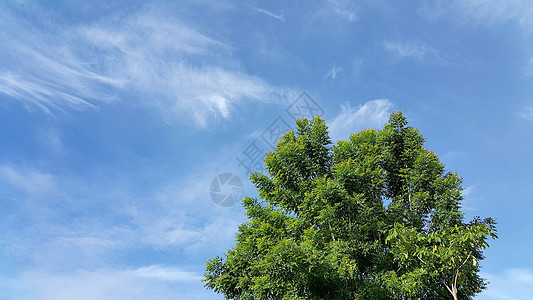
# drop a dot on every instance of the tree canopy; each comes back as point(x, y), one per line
point(373, 217)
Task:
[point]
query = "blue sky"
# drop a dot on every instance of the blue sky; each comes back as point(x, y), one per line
point(115, 117)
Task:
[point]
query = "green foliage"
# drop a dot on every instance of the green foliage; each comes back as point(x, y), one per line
point(374, 217)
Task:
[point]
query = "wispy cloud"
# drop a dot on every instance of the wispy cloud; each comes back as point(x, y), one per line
point(182, 215)
point(169, 233)
point(165, 62)
point(468, 190)
point(332, 73)
point(409, 49)
point(38, 67)
point(468, 200)
point(85, 259)
point(486, 14)
point(357, 66)
point(526, 113)
point(28, 180)
point(268, 13)
point(159, 272)
point(511, 284)
point(335, 12)
point(41, 96)
point(481, 12)
point(179, 214)
point(529, 67)
point(344, 9)
point(160, 57)
point(373, 114)
point(148, 282)
point(51, 141)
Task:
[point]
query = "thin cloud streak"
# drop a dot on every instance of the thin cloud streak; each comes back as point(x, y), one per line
point(266, 12)
point(159, 56)
point(148, 282)
point(40, 70)
point(529, 67)
point(408, 49)
point(344, 9)
point(28, 180)
point(159, 272)
point(175, 68)
point(332, 73)
point(106, 223)
point(526, 113)
point(511, 284)
point(84, 260)
point(44, 96)
point(481, 12)
point(486, 14)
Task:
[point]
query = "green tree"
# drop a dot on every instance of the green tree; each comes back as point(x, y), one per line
point(374, 217)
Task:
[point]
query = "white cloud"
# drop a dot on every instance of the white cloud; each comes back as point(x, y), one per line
point(266, 12)
point(468, 203)
point(336, 12)
point(409, 49)
point(181, 214)
point(529, 67)
point(47, 243)
point(159, 56)
point(344, 9)
point(158, 272)
point(170, 232)
point(481, 12)
point(512, 284)
point(40, 70)
point(81, 255)
point(332, 73)
point(526, 113)
point(468, 190)
point(150, 56)
point(373, 114)
point(103, 224)
point(44, 97)
point(357, 66)
point(51, 140)
point(150, 282)
point(105, 220)
point(29, 180)
point(486, 14)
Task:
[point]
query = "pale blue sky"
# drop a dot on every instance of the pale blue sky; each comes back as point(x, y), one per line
point(115, 116)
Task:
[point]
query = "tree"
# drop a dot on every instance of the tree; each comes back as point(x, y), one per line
point(374, 217)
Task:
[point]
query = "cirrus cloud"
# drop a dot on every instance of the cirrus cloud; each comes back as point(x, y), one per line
point(151, 56)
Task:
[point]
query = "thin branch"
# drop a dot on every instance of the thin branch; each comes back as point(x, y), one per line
point(410, 206)
point(421, 260)
point(459, 269)
point(447, 287)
